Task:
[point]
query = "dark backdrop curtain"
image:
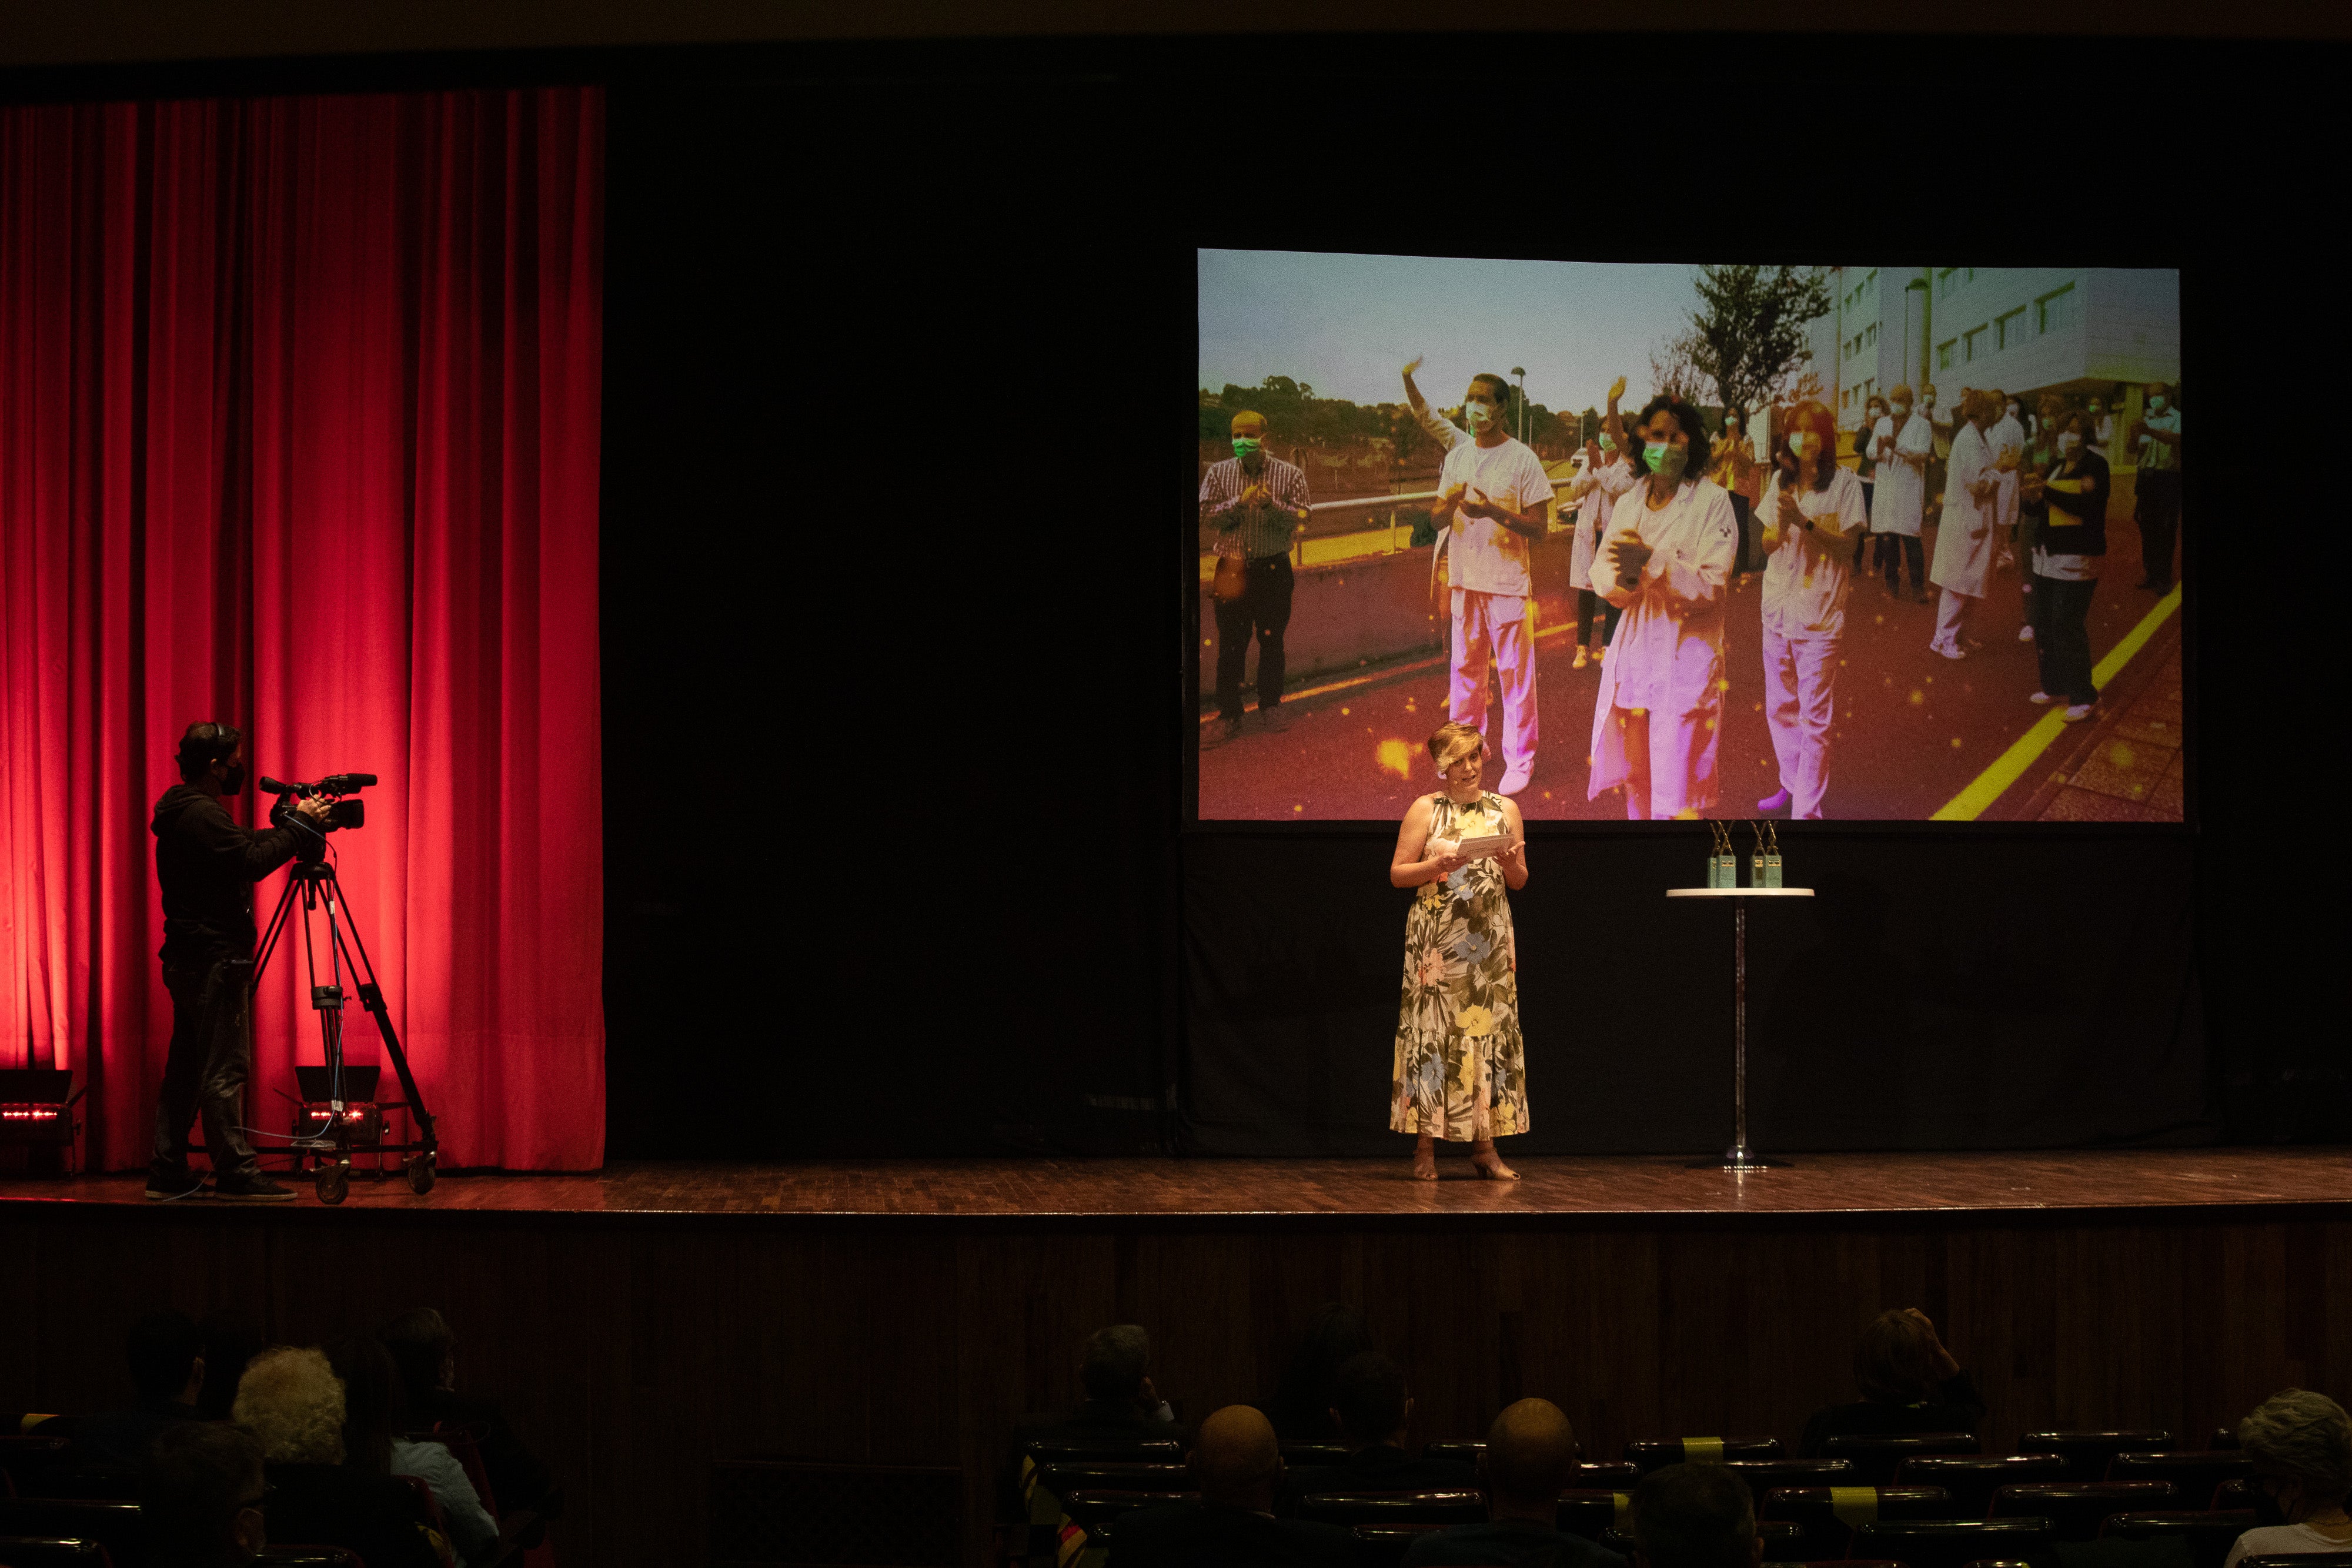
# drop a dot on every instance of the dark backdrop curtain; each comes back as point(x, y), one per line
point(299, 430)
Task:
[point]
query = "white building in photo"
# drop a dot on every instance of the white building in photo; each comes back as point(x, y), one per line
point(2025, 329)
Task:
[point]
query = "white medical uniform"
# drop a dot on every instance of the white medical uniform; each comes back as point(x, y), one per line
point(1657, 716)
point(1487, 565)
point(1964, 539)
point(1595, 493)
point(1805, 583)
point(2007, 438)
point(1899, 499)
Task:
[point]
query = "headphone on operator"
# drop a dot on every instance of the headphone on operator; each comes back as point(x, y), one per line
point(205, 743)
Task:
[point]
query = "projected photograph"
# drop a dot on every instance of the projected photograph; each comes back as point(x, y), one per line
point(1862, 543)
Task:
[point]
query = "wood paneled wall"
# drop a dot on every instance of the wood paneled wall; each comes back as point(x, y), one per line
point(633, 1350)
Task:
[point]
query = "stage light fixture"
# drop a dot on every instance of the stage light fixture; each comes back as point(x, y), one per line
point(37, 1107)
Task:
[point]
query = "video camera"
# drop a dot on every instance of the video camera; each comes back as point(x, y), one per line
point(342, 813)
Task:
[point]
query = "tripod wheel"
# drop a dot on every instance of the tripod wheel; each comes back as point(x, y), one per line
point(334, 1184)
point(420, 1175)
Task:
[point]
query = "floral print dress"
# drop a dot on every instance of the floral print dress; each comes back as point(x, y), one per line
point(1461, 1071)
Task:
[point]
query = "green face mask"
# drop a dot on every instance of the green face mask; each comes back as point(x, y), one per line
point(1246, 445)
point(1667, 462)
point(1607, 443)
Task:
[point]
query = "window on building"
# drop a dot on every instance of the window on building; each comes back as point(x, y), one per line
point(1870, 282)
point(2054, 312)
point(1943, 353)
point(1870, 336)
point(2009, 331)
point(1972, 344)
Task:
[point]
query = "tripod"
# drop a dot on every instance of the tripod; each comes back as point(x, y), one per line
point(314, 881)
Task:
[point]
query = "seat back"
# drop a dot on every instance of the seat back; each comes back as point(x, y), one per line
point(1952, 1543)
point(2076, 1509)
point(2314, 1560)
point(1316, 1453)
point(1972, 1479)
point(1385, 1545)
point(1763, 1475)
point(1115, 1476)
point(1091, 1510)
point(24, 1458)
point(1586, 1513)
point(40, 1551)
point(1039, 1504)
point(2088, 1454)
point(792, 1511)
point(101, 1483)
point(1351, 1508)
point(2195, 1477)
point(1780, 1538)
point(1649, 1454)
point(2224, 1439)
point(2210, 1534)
point(309, 1557)
point(1827, 1517)
point(114, 1525)
point(1879, 1456)
point(2233, 1494)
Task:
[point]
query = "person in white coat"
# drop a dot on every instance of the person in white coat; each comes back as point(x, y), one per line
point(1811, 526)
point(1606, 475)
point(2007, 438)
point(1657, 718)
point(1495, 501)
point(1901, 443)
point(1963, 566)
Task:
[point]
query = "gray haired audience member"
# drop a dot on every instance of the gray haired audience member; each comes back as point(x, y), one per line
point(2301, 1444)
point(200, 1495)
point(1695, 1516)
point(1121, 1404)
point(1530, 1451)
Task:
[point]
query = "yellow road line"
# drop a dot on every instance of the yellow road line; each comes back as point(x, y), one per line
point(2009, 766)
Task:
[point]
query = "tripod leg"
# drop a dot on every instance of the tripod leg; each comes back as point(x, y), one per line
point(371, 998)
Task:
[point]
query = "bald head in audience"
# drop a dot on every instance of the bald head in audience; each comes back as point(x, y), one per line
point(1530, 1449)
point(1236, 1461)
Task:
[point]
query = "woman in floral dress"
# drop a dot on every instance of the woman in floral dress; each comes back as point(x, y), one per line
point(1461, 1073)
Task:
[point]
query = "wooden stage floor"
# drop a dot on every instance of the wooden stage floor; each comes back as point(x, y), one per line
point(1163, 1190)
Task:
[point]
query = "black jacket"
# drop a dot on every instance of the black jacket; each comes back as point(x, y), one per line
point(1956, 1408)
point(379, 1517)
point(1185, 1535)
point(208, 865)
point(2077, 524)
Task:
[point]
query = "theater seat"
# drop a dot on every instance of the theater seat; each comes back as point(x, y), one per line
point(1649, 1454)
point(1062, 1479)
point(1952, 1543)
point(1461, 1453)
point(2210, 1535)
point(1764, 1475)
point(1588, 1512)
point(2194, 1477)
point(1972, 1479)
point(113, 1526)
point(1316, 1453)
point(1879, 1456)
point(1780, 1537)
point(1433, 1508)
point(23, 1551)
point(1385, 1545)
point(309, 1557)
point(2225, 1438)
point(2076, 1509)
point(2088, 1454)
point(2239, 1493)
point(1827, 1517)
point(2316, 1560)
point(1091, 1510)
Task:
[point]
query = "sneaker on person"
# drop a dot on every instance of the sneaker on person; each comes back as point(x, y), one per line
point(2078, 713)
point(1514, 780)
point(164, 1186)
point(2041, 699)
point(1272, 718)
point(1949, 651)
point(1221, 731)
point(1600, 653)
point(254, 1188)
point(1778, 800)
point(2025, 633)
point(1582, 658)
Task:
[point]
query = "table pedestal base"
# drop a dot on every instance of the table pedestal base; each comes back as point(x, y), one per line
point(1737, 1159)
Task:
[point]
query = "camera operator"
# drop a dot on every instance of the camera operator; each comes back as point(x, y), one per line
point(208, 866)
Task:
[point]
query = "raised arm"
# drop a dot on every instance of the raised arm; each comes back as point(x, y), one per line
point(1441, 430)
point(1608, 420)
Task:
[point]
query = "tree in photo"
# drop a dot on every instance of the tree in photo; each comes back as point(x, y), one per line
point(1674, 369)
point(1748, 335)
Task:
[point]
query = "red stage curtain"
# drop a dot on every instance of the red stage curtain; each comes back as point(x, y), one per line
point(298, 403)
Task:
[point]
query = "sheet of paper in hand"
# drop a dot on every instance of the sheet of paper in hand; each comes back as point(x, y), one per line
point(1483, 848)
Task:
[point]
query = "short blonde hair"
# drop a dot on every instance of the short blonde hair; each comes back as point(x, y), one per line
point(291, 1400)
point(2299, 1436)
point(1450, 743)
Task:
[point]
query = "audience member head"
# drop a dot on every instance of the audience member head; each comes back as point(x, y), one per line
point(1695, 1516)
point(1530, 1449)
point(166, 1351)
point(200, 1494)
point(1236, 1461)
point(1302, 1402)
point(424, 1349)
point(1116, 1362)
point(1368, 1403)
point(291, 1400)
point(1895, 1361)
point(372, 1403)
point(2301, 1444)
point(230, 1341)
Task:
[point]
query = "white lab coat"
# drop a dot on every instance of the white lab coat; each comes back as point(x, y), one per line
point(1595, 494)
point(1898, 501)
point(1667, 656)
point(1964, 540)
point(2007, 438)
point(1805, 584)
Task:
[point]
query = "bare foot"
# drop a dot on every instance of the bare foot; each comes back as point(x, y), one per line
point(1424, 1163)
